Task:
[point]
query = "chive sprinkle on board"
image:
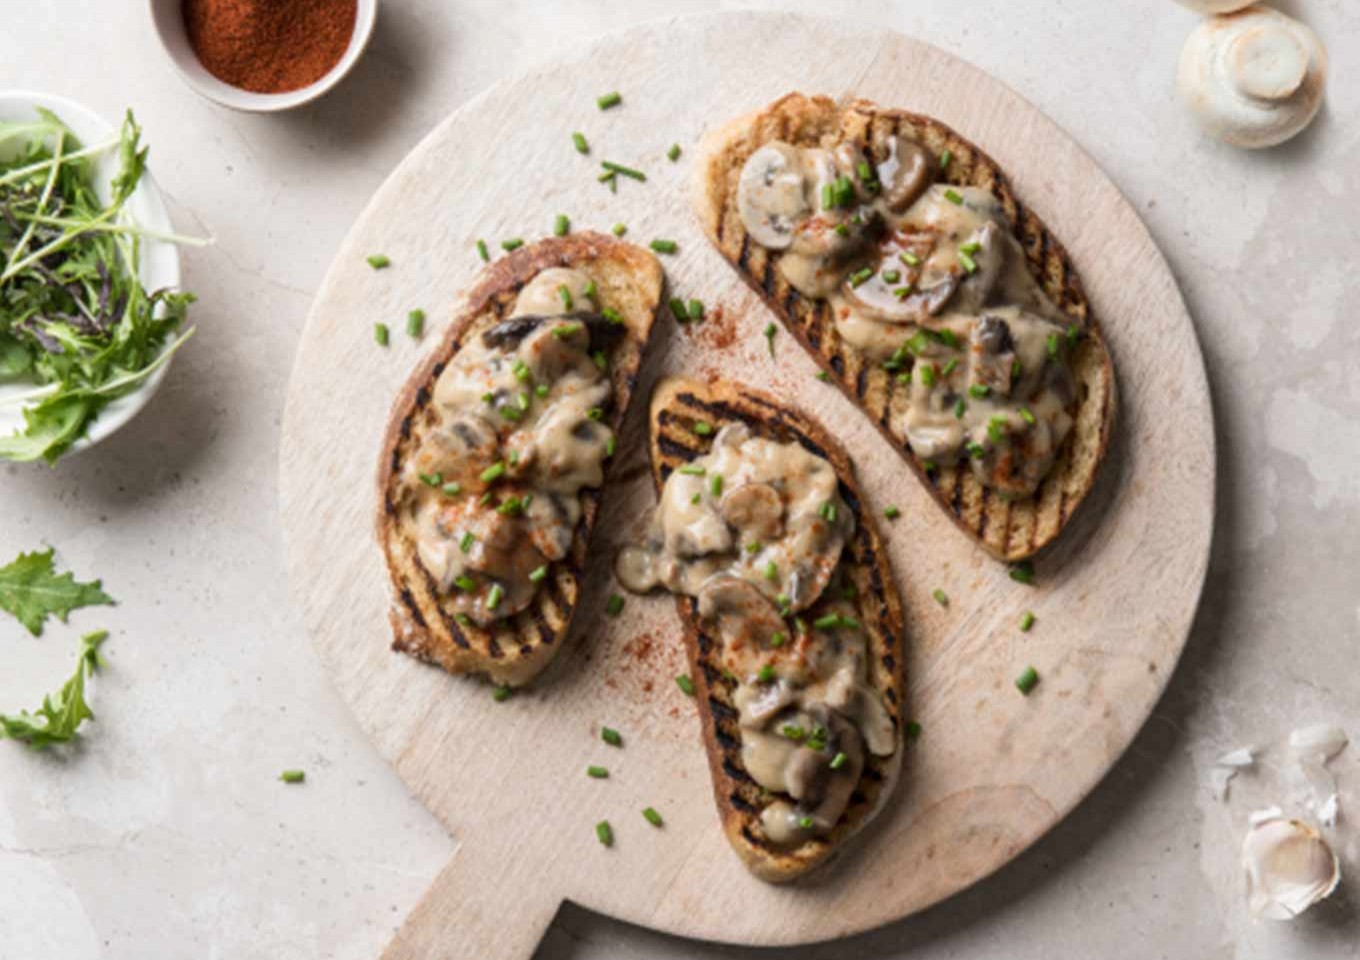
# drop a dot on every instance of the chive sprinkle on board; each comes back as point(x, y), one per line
point(685, 684)
point(1026, 621)
point(941, 597)
point(597, 773)
point(611, 736)
point(1027, 681)
point(1023, 572)
point(673, 154)
point(293, 776)
point(482, 251)
point(415, 322)
point(618, 229)
point(514, 243)
point(611, 99)
point(651, 816)
point(604, 833)
point(500, 694)
point(665, 246)
point(582, 146)
point(614, 605)
point(561, 225)
point(379, 260)
point(380, 334)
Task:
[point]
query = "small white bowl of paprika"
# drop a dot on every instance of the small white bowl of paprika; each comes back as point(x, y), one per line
point(263, 55)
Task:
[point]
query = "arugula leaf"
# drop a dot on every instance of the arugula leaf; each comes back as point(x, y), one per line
point(32, 590)
point(58, 720)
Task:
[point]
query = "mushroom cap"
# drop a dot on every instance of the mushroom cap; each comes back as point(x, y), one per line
point(1215, 6)
point(1253, 78)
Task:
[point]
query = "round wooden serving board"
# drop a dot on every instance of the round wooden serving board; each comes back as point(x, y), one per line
point(993, 769)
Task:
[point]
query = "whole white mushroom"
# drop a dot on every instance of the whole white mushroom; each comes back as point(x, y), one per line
point(1253, 78)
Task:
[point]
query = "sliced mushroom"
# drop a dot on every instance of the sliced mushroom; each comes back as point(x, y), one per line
point(975, 288)
point(770, 195)
point(905, 174)
point(542, 295)
point(755, 509)
point(744, 620)
point(761, 704)
point(992, 355)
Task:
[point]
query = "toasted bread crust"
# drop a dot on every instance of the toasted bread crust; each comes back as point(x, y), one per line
point(1008, 529)
point(514, 650)
point(676, 405)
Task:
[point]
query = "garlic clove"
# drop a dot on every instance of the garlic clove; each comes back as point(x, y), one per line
point(1289, 868)
point(1215, 6)
point(1253, 77)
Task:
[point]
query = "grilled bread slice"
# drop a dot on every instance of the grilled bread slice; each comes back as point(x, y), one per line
point(1009, 529)
point(677, 405)
point(513, 650)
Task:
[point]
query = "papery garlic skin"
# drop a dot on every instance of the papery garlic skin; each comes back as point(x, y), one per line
point(1289, 868)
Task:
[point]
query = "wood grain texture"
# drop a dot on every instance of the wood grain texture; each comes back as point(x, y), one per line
point(992, 770)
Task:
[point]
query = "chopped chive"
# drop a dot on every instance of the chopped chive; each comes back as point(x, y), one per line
point(928, 374)
point(715, 484)
point(1026, 621)
point(979, 390)
point(828, 200)
point(538, 573)
point(541, 390)
point(599, 773)
point(968, 262)
point(766, 674)
point(493, 472)
point(909, 258)
point(501, 693)
point(996, 428)
point(466, 542)
point(953, 197)
point(623, 171)
point(566, 330)
point(945, 157)
point(415, 322)
point(948, 338)
point(673, 154)
point(838, 761)
point(702, 429)
point(696, 309)
point(685, 684)
point(293, 776)
point(806, 823)
point(1016, 368)
point(975, 449)
point(842, 230)
point(823, 376)
point(432, 479)
point(611, 99)
point(913, 729)
point(960, 408)
point(452, 489)
point(972, 246)
point(379, 260)
point(611, 446)
point(828, 512)
point(1026, 415)
point(462, 619)
point(678, 310)
point(860, 276)
point(600, 360)
point(618, 230)
point(690, 470)
point(521, 371)
point(904, 378)
point(771, 571)
point(652, 817)
point(664, 246)
point(522, 401)
point(482, 251)
point(891, 276)
point(1052, 344)
point(611, 736)
point(1073, 335)
point(829, 622)
point(754, 546)
point(1027, 681)
point(777, 638)
point(941, 597)
point(1023, 572)
point(595, 413)
point(561, 225)
point(380, 334)
point(590, 289)
point(612, 315)
point(770, 331)
point(891, 512)
point(514, 243)
point(792, 731)
point(614, 605)
point(465, 583)
point(582, 146)
point(950, 367)
point(494, 595)
point(604, 833)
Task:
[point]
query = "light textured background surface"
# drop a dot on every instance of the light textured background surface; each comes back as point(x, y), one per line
point(166, 834)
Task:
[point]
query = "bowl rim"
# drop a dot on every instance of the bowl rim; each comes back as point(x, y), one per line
point(166, 271)
point(169, 29)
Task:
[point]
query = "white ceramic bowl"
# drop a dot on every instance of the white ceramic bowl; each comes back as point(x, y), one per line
point(159, 260)
point(168, 17)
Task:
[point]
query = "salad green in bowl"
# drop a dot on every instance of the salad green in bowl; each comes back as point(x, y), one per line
point(90, 310)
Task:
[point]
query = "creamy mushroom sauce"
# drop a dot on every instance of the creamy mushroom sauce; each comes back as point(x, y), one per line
point(926, 280)
point(754, 531)
point(494, 489)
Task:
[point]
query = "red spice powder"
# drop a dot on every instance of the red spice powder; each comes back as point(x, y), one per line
point(269, 46)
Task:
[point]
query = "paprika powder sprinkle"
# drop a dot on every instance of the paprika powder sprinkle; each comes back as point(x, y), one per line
point(269, 46)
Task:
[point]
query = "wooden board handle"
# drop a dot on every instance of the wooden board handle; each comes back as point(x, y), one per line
point(480, 907)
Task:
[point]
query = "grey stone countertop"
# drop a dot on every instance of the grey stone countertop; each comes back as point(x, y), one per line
point(165, 833)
